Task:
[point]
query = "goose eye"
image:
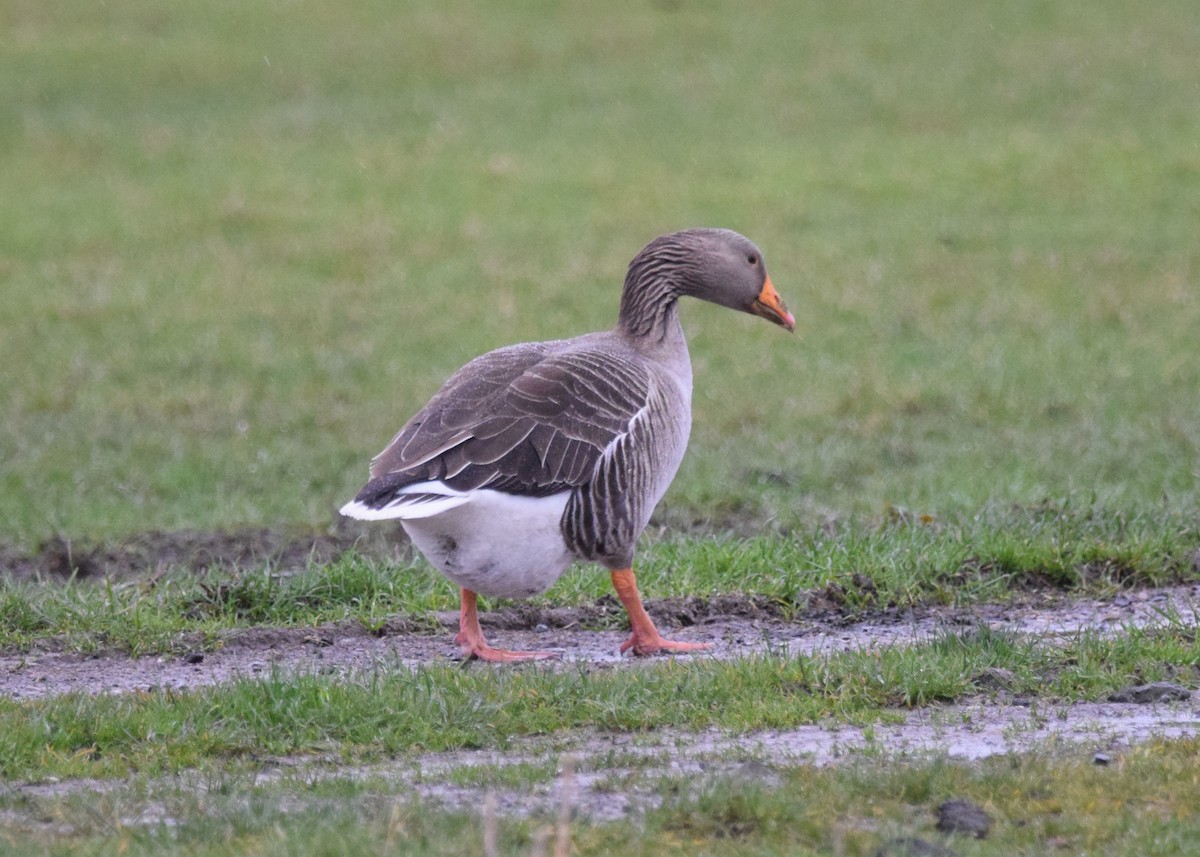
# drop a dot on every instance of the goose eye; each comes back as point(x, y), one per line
point(752, 259)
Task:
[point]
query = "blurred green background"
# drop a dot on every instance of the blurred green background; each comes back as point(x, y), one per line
point(241, 243)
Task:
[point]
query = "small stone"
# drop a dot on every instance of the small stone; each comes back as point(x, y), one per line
point(963, 816)
point(1101, 759)
point(541, 628)
point(1158, 691)
point(995, 678)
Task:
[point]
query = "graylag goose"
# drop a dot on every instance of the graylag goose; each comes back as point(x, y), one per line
point(538, 454)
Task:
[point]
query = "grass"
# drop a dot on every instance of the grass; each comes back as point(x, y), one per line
point(1142, 804)
point(245, 242)
point(392, 710)
point(252, 241)
point(901, 563)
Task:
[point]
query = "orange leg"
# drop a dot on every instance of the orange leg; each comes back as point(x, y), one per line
point(645, 639)
point(470, 638)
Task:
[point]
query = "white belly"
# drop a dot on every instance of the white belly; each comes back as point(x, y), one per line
point(499, 545)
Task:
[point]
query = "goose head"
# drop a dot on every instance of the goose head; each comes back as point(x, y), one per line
point(715, 265)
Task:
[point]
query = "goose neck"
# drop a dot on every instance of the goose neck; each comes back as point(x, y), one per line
point(648, 308)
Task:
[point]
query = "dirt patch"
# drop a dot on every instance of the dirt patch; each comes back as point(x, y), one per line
point(144, 554)
point(155, 551)
point(734, 626)
point(669, 612)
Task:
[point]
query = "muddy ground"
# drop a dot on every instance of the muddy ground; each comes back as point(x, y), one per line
point(999, 722)
point(733, 625)
point(142, 554)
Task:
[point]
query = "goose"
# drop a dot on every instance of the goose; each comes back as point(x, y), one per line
point(536, 455)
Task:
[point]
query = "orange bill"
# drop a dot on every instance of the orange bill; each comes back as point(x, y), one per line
point(770, 306)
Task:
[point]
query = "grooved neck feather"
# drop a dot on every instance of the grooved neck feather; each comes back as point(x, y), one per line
point(653, 284)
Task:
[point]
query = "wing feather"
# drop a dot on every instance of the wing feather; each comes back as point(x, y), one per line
point(529, 419)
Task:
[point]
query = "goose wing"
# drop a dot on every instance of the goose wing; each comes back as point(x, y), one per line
point(532, 419)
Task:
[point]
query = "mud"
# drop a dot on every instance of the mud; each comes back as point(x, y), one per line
point(637, 762)
point(143, 554)
point(617, 776)
point(734, 626)
point(964, 732)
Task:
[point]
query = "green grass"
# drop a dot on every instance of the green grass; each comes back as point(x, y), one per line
point(901, 563)
point(390, 710)
point(247, 242)
point(1142, 804)
point(242, 243)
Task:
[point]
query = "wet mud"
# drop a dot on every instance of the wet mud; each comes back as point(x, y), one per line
point(1095, 732)
point(143, 554)
point(735, 625)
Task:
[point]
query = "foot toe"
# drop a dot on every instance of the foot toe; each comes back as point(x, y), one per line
point(506, 656)
point(660, 645)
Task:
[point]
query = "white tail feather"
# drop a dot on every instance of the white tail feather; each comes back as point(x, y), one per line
point(421, 500)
